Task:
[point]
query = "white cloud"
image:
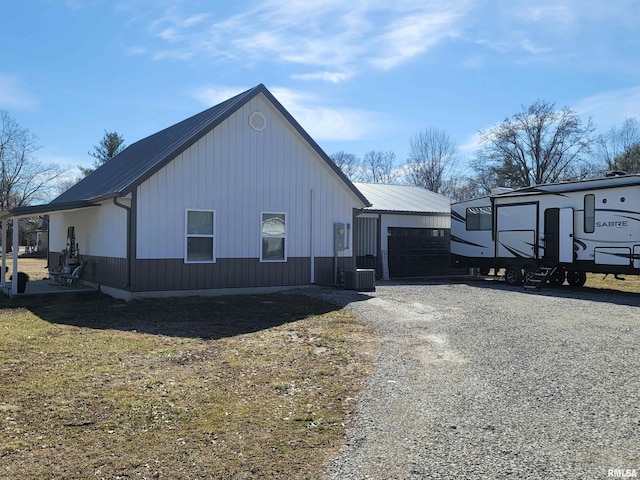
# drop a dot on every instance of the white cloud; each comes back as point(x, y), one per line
point(210, 95)
point(412, 35)
point(136, 50)
point(335, 35)
point(323, 123)
point(332, 77)
point(610, 108)
point(475, 62)
point(471, 144)
point(553, 31)
point(13, 95)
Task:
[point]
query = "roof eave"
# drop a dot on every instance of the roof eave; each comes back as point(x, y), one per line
point(46, 208)
point(405, 212)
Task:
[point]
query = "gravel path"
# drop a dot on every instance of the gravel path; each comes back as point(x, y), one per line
point(480, 380)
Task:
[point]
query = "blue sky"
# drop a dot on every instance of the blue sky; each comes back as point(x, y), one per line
point(358, 75)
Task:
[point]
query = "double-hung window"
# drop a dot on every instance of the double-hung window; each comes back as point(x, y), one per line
point(273, 233)
point(200, 233)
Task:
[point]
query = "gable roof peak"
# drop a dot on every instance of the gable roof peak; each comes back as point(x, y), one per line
point(143, 158)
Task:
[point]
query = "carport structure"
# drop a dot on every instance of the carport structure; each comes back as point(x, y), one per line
point(13, 217)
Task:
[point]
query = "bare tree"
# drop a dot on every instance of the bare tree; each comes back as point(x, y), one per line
point(110, 145)
point(459, 188)
point(349, 164)
point(23, 178)
point(629, 161)
point(379, 167)
point(432, 157)
point(537, 145)
point(616, 147)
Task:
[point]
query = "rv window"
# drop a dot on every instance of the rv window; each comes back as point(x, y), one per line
point(589, 213)
point(479, 218)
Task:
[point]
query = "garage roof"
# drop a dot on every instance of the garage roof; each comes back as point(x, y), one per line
point(403, 199)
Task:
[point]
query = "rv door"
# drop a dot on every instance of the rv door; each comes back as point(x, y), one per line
point(566, 235)
point(558, 235)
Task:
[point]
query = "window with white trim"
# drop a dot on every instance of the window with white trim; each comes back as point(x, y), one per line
point(273, 233)
point(200, 233)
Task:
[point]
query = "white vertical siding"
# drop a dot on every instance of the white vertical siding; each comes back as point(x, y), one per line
point(100, 231)
point(367, 239)
point(239, 173)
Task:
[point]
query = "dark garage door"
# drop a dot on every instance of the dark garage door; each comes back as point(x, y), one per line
point(418, 251)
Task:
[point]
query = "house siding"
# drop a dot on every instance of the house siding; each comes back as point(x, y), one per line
point(174, 274)
point(100, 230)
point(110, 271)
point(239, 173)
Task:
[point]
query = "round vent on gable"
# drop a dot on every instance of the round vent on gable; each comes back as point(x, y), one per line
point(257, 121)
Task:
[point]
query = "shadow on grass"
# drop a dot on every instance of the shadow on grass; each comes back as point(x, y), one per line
point(190, 317)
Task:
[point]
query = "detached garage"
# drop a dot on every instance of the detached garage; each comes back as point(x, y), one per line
point(405, 233)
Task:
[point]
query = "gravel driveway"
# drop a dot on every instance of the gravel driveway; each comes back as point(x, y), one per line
point(480, 380)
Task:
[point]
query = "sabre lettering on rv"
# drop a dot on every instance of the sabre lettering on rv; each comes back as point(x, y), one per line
point(616, 224)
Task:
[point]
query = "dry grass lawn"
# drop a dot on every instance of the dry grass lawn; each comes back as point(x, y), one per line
point(36, 268)
point(227, 387)
point(631, 283)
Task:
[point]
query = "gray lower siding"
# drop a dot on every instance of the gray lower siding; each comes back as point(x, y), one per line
point(110, 271)
point(174, 274)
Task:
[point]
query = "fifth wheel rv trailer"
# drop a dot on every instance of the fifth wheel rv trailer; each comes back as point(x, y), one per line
point(551, 232)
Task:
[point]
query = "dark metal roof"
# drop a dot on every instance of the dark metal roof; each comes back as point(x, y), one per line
point(140, 160)
point(143, 158)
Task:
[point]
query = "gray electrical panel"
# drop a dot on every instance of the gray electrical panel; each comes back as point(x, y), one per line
point(339, 237)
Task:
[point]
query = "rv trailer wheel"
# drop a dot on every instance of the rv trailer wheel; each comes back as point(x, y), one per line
point(513, 276)
point(529, 271)
point(576, 279)
point(558, 277)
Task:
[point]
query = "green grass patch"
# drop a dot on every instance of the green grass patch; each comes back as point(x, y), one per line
point(233, 387)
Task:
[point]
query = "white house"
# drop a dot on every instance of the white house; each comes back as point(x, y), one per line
point(236, 197)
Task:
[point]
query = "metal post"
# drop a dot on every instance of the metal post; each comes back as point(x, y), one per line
point(3, 281)
point(15, 248)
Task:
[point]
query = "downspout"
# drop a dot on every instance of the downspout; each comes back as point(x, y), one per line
point(128, 209)
point(312, 255)
point(379, 253)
